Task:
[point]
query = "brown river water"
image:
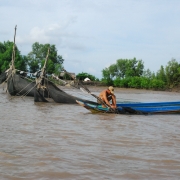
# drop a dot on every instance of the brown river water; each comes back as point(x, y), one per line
point(44, 141)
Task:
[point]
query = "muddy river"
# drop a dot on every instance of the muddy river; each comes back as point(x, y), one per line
point(51, 141)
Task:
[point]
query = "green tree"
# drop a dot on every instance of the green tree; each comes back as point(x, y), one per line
point(147, 73)
point(83, 75)
point(37, 56)
point(106, 77)
point(113, 71)
point(157, 84)
point(6, 50)
point(134, 82)
point(129, 67)
point(123, 68)
point(161, 75)
point(173, 72)
point(145, 82)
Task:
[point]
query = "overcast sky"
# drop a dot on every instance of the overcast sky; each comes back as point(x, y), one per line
point(93, 34)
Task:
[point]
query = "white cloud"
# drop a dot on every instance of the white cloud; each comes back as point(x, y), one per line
point(91, 35)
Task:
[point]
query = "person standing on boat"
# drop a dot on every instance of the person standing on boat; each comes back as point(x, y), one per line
point(106, 96)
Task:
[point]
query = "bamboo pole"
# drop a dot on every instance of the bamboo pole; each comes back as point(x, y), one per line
point(45, 63)
point(40, 79)
point(14, 52)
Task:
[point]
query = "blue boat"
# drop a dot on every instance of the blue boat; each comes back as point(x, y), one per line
point(134, 108)
point(149, 104)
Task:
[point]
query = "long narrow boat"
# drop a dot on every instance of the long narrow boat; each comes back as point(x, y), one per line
point(153, 108)
point(149, 104)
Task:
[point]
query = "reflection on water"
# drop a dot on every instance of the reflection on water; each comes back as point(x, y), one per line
point(60, 141)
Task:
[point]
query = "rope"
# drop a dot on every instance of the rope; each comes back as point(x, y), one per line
point(25, 94)
point(25, 87)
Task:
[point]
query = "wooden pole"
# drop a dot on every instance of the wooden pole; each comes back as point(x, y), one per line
point(14, 52)
point(45, 63)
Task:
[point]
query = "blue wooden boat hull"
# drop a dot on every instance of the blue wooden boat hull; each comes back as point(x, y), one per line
point(148, 104)
point(136, 108)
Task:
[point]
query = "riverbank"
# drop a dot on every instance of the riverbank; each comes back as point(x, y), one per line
point(174, 89)
point(98, 84)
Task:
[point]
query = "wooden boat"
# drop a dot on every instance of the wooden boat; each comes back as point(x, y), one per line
point(134, 108)
point(149, 104)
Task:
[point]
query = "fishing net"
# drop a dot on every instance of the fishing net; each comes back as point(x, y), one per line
point(2, 77)
point(58, 95)
point(19, 86)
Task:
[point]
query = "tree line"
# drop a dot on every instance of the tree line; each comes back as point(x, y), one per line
point(127, 73)
point(33, 61)
point(130, 73)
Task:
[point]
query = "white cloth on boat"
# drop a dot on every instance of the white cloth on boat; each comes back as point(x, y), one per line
point(87, 79)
